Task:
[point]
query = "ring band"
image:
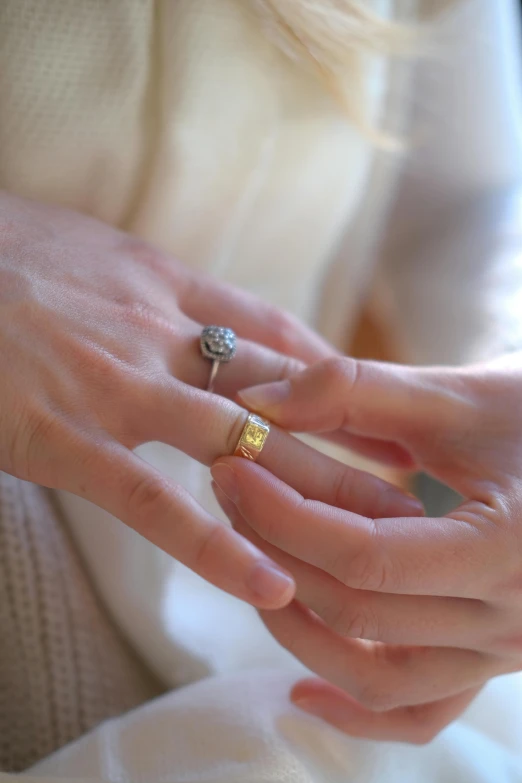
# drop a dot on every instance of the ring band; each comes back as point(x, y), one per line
point(218, 344)
point(253, 438)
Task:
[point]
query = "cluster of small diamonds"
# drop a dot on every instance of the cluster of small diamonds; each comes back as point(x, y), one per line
point(218, 342)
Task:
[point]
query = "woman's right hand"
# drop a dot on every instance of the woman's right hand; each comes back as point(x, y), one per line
point(99, 352)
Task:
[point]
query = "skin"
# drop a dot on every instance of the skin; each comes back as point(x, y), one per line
point(403, 618)
point(99, 352)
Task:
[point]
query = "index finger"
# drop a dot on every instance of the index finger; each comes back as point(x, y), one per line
point(406, 555)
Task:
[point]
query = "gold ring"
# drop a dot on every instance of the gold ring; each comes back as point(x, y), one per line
point(253, 438)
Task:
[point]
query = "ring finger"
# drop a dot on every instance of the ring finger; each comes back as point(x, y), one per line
point(252, 362)
point(206, 426)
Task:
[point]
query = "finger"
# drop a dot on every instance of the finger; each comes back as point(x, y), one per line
point(453, 556)
point(411, 407)
point(418, 724)
point(202, 425)
point(255, 363)
point(209, 301)
point(311, 472)
point(357, 666)
point(323, 478)
point(362, 614)
point(165, 514)
point(383, 451)
point(206, 426)
point(379, 676)
point(372, 399)
point(393, 619)
point(252, 363)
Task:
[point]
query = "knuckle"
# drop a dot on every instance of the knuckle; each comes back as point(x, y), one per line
point(36, 429)
point(100, 368)
point(400, 661)
point(147, 319)
point(114, 384)
point(343, 487)
point(354, 623)
point(284, 327)
point(391, 680)
point(351, 569)
point(39, 427)
point(146, 255)
point(377, 577)
point(289, 367)
point(375, 697)
point(459, 403)
point(147, 498)
point(340, 372)
point(205, 553)
point(355, 626)
point(368, 568)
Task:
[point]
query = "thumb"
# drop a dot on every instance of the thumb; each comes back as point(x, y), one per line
point(405, 405)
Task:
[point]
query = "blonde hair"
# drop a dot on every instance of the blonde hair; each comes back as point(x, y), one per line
point(334, 38)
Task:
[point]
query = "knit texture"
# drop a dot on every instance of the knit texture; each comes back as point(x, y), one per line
point(64, 667)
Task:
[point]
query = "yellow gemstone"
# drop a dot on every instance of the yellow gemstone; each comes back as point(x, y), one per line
point(254, 435)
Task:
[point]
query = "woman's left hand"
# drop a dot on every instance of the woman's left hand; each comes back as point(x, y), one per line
point(404, 618)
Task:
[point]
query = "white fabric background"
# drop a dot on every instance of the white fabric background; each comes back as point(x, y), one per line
point(241, 729)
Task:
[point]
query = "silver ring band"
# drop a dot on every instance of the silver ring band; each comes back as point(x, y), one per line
point(219, 344)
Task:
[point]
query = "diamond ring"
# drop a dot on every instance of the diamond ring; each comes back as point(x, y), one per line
point(218, 344)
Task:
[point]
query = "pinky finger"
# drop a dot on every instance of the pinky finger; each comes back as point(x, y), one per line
point(417, 725)
point(126, 486)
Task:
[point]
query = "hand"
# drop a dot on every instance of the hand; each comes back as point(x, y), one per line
point(99, 353)
point(405, 617)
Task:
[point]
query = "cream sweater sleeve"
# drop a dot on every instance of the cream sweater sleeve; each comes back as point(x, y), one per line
point(452, 260)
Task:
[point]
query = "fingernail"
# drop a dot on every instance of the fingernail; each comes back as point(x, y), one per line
point(259, 398)
point(226, 480)
point(271, 584)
